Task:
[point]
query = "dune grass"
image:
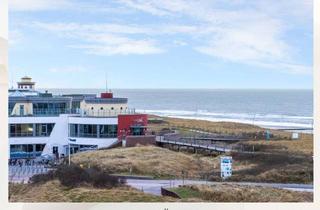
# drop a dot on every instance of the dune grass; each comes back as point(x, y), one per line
point(238, 193)
point(164, 163)
point(147, 161)
point(53, 191)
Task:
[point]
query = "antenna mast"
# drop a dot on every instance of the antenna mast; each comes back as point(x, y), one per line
point(107, 82)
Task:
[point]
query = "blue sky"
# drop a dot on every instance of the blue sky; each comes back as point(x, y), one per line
point(162, 44)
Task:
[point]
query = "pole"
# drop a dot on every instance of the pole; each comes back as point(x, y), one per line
point(69, 153)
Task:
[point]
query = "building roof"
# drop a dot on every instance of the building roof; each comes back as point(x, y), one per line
point(39, 99)
point(106, 100)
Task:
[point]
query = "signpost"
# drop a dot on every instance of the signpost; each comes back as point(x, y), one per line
point(295, 136)
point(226, 166)
point(267, 135)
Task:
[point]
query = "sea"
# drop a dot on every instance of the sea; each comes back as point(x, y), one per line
point(280, 109)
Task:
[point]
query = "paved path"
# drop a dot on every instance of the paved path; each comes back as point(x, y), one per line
point(154, 186)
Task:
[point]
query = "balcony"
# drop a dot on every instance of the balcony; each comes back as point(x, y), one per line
point(80, 112)
point(44, 112)
point(104, 113)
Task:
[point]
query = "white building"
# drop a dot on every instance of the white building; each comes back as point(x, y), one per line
point(40, 123)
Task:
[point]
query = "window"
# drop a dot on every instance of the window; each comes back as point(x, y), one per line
point(39, 147)
point(101, 108)
point(91, 108)
point(27, 130)
point(49, 108)
point(26, 150)
point(137, 130)
point(44, 129)
point(108, 131)
point(91, 131)
point(88, 131)
point(112, 108)
point(74, 130)
point(21, 130)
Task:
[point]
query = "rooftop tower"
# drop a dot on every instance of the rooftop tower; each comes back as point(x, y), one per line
point(26, 83)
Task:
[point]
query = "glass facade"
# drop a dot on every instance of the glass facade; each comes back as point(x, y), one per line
point(21, 130)
point(88, 131)
point(44, 129)
point(108, 131)
point(26, 150)
point(93, 131)
point(50, 108)
point(30, 130)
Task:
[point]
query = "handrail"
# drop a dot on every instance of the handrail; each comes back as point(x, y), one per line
point(81, 112)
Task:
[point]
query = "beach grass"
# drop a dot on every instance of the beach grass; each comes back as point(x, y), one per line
point(147, 161)
point(53, 191)
point(239, 193)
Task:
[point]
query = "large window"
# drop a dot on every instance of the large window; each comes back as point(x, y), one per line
point(21, 130)
point(108, 131)
point(49, 108)
point(26, 150)
point(105, 131)
point(44, 129)
point(88, 131)
point(28, 130)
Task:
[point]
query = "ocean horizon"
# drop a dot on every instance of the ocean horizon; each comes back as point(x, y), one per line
point(268, 108)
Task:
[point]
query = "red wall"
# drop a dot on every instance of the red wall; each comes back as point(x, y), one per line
point(106, 95)
point(126, 121)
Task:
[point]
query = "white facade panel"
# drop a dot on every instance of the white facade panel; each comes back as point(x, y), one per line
point(60, 134)
point(94, 141)
point(93, 120)
point(29, 140)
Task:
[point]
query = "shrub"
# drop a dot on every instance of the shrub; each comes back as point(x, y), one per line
point(42, 178)
point(71, 176)
point(74, 175)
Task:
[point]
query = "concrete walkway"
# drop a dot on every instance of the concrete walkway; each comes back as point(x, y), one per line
point(154, 186)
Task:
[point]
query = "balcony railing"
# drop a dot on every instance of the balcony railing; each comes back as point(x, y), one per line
point(81, 112)
point(104, 113)
point(93, 135)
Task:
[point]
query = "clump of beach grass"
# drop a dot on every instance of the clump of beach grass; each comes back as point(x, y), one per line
point(240, 193)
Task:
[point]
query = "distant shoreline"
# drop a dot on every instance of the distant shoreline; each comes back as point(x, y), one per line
point(290, 130)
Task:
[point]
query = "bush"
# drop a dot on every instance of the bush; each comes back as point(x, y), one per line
point(99, 178)
point(71, 176)
point(74, 175)
point(42, 178)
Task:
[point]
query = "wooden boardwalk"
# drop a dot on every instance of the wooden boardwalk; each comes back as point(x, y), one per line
point(180, 142)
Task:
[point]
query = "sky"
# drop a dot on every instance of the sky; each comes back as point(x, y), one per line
point(265, 44)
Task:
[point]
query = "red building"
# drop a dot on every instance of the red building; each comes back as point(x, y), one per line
point(132, 125)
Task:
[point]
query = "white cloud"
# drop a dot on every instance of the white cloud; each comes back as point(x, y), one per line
point(105, 39)
point(37, 5)
point(239, 31)
point(138, 47)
